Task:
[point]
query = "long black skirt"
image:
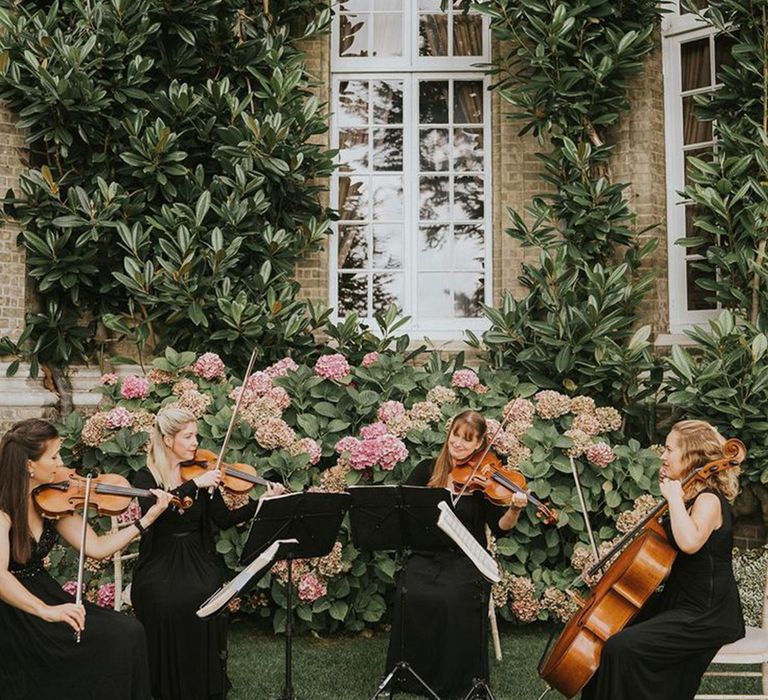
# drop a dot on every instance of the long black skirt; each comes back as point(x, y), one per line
point(440, 624)
point(41, 660)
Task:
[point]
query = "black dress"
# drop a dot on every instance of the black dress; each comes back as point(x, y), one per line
point(176, 572)
point(445, 632)
point(664, 655)
point(40, 660)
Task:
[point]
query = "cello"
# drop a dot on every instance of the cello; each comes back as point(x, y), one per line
point(643, 561)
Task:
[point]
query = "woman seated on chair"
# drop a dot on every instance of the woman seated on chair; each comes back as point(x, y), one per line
point(39, 657)
point(665, 653)
point(442, 631)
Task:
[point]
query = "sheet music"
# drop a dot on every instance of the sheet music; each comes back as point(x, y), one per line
point(229, 590)
point(452, 526)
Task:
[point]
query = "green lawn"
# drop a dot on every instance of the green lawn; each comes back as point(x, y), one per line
point(351, 667)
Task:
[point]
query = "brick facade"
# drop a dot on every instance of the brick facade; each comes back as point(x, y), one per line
point(12, 272)
point(638, 159)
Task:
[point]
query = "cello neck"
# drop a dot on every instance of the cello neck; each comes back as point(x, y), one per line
point(659, 509)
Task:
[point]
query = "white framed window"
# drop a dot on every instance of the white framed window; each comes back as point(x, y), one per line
point(411, 120)
point(692, 55)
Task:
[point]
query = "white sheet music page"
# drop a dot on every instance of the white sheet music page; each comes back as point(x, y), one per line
point(229, 590)
point(453, 527)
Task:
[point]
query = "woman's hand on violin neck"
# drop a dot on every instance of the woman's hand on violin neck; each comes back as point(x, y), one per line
point(211, 479)
point(519, 501)
point(159, 506)
point(70, 613)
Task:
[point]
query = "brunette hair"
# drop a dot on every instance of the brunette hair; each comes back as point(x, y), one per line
point(702, 443)
point(170, 421)
point(474, 427)
point(26, 440)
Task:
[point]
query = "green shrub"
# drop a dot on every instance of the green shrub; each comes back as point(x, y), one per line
point(173, 170)
point(331, 425)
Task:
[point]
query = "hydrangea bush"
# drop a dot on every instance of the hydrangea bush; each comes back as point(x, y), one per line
point(336, 422)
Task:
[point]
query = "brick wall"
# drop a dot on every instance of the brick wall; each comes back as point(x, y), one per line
point(12, 272)
point(639, 159)
point(312, 272)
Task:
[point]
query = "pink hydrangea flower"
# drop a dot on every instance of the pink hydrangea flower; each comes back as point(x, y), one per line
point(281, 367)
point(465, 379)
point(311, 588)
point(70, 587)
point(600, 454)
point(119, 417)
point(346, 444)
point(390, 409)
point(259, 382)
point(392, 451)
point(307, 446)
point(134, 387)
point(279, 396)
point(105, 596)
point(109, 379)
point(334, 367)
point(373, 430)
point(364, 454)
point(480, 389)
point(133, 512)
point(370, 358)
point(209, 366)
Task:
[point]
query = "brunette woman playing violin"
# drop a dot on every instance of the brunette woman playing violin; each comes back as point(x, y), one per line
point(664, 654)
point(39, 657)
point(178, 568)
point(445, 633)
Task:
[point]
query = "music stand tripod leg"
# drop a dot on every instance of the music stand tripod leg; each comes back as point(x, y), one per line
point(479, 691)
point(287, 693)
point(403, 666)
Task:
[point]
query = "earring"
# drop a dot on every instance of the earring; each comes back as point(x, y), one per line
point(31, 474)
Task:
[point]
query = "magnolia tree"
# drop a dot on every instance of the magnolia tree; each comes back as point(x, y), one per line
point(330, 425)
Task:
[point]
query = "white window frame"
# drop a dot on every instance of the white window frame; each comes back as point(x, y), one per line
point(676, 30)
point(410, 69)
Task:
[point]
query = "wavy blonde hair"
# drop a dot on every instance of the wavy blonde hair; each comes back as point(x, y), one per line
point(170, 421)
point(473, 427)
point(702, 443)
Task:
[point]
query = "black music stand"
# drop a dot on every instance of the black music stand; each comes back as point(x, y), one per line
point(311, 518)
point(398, 517)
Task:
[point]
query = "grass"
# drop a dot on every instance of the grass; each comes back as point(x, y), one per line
point(351, 667)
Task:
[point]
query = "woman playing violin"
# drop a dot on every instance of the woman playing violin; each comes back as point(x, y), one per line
point(665, 653)
point(445, 635)
point(178, 568)
point(39, 657)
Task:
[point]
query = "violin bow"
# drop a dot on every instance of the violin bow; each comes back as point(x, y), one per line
point(504, 419)
point(235, 410)
point(83, 536)
point(584, 511)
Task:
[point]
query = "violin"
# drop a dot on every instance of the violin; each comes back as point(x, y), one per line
point(627, 584)
point(484, 472)
point(111, 494)
point(236, 477)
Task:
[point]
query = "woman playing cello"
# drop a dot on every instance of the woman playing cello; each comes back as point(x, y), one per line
point(39, 657)
point(445, 634)
point(665, 653)
point(178, 568)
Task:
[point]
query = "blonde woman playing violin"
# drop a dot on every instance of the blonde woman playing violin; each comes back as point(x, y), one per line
point(445, 636)
point(39, 657)
point(178, 568)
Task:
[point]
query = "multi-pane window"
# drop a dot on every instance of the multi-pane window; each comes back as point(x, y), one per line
point(411, 122)
point(692, 57)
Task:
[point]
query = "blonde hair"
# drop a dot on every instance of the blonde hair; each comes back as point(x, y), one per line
point(474, 427)
point(170, 421)
point(701, 443)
